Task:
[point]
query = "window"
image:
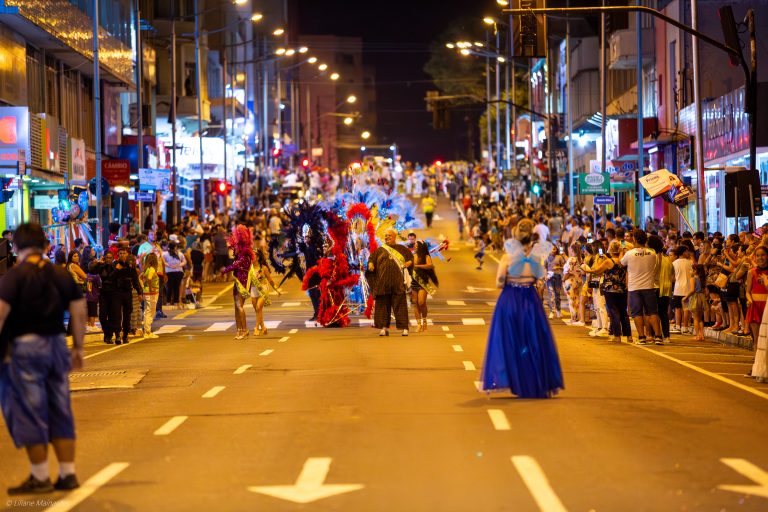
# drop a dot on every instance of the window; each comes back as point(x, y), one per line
point(35, 81)
point(70, 104)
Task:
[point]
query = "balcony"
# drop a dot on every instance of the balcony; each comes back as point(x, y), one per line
point(623, 49)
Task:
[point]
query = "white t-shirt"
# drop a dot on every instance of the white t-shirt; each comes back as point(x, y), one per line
point(683, 274)
point(543, 232)
point(641, 268)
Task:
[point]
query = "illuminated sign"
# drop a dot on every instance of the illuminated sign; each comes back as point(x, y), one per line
point(77, 171)
point(14, 133)
point(116, 172)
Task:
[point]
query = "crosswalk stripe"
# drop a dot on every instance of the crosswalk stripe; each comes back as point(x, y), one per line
point(456, 303)
point(311, 324)
point(272, 324)
point(291, 304)
point(365, 321)
point(169, 329)
point(473, 321)
point(219, 326)
point(429, 321)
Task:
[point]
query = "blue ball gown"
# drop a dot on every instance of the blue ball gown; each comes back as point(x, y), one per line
point(521, 355)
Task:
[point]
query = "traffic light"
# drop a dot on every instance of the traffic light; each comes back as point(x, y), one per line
point(276, 152)
point(305, 163)
point(6, 194)
point(536, 189)
point(221, 187)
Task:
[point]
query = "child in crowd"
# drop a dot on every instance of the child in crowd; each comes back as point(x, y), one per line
point(151, 282)
point(697, 301)
point(716, 310)
point(92, 292)
point(480, 254)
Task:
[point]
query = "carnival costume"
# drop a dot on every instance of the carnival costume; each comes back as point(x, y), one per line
point(521, 355)
point(242, 271)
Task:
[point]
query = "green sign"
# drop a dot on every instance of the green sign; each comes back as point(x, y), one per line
point(595, 184)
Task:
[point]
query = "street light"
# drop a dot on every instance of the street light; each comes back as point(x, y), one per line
point(312, 60)
point(348, 121)
point(351, 98)
point(322, 67)
point(280, 51)
point(366, 135)
point(289, 52)
point(335, 76)
point(241, 2)
point(257, 16)
point(502, 3)
point(450, 46)
point(303, 49)
point(489, 21)
point(465, 51)
point(278, 32)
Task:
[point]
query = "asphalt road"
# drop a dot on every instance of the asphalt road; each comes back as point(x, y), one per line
point(348, 421)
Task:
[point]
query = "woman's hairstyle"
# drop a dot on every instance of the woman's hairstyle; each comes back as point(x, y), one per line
point(71, 256)
point(241, 241)
point(151, 260)
point(615, 247)
point(524, 231)
point(172, 250)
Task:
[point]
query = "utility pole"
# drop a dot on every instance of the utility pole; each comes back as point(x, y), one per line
point(488, 101)
point(498, 102)
point(199, 77)
point(571, 188)
point(139, 113)
point(701, 203)
point(224, 112)
point(97, 124)
point(174, 170)
point(640, 156)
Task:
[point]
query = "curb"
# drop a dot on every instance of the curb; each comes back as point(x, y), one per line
point(744, 342)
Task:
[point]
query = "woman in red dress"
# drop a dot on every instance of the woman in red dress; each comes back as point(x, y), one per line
point(757, 291)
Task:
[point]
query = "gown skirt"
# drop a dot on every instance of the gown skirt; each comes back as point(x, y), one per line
point(760, 366)
point(521, 355)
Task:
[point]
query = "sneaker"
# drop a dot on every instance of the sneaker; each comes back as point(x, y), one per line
point(593, 332)
point(665, 340)
point(405, 332)
point(551, 315)
point(66, 483)
point(658, 341)
point(558, 314)
point(383, 332)
point(151, 336)
point(32, 486)
point(603, 333)
point(641, 341)
point(674, 330)
point(760, 380)
point(577, 324)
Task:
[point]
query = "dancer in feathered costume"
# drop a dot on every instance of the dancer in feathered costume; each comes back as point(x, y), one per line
point(361, 244)
point(241, 243)
point(335, 278)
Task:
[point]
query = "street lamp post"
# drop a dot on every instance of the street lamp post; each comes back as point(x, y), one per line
point(97, 123)
point(498, 104)
point(199, 79)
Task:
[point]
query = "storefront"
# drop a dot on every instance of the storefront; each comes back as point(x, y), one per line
point(726, 144)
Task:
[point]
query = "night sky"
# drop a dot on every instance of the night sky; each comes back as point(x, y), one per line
point(396, 35)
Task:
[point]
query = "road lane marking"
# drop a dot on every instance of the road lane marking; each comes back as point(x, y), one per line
point(450, 336)
point(492, 304)
point(293, 331)
point(537, 483)
point(469, 365)
point(169, 329)
point(242, 369)
point(215, 390)
point(456, 303)
point(284, 338)
point(272, 324)
point(170, 425)
point(702, 371)
point(311, 324)
point(291, 304)
point(494, 258)
point(446, 328)
point(266, 352)
point(117, 347)
point(457, 348)
point(365, 321)
point(189, 312)
point(219, 326)
point(750, 471)
point(429, 321)
point(499, 419)
point(479, 385)
point(472, 321)
point(310, 485)
point(73, 498)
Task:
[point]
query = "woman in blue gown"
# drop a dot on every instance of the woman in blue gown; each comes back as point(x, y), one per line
point(521, 355)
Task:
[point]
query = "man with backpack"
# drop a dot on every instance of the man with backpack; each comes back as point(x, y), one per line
point(34, 385)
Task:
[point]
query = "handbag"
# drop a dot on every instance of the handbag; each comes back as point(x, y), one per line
point(721, 281)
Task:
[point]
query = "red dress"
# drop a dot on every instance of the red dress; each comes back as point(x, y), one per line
point(755, 311)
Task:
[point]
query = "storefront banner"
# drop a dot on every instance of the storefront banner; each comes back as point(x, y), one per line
point(116, 172)
point(77, 171)
point(155, 179)
point(14, 133)
point(598, 184)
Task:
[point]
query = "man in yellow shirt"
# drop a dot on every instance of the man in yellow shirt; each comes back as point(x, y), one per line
point(428, 206)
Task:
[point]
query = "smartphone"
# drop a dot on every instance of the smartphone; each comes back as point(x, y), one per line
point(600, 251)
point(561, 250)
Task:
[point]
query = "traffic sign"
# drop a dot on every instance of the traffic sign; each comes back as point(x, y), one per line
point(605, 200)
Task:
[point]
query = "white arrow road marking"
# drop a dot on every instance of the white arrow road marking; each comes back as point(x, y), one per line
point(169, 329)
point(272, 324)
point(215, 390)
point(310, 485)
point(170, 425)
point(72, 499)
point(469, 366)
point(499, 419)
point(750, 471)
point(472, 321)
point(220, 326)
point(537, 484)
point(242, 369)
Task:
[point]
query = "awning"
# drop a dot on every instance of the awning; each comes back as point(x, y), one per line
point(663, 139)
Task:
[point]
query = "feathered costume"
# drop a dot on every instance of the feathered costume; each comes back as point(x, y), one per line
point(334, 274)
point(362, 244)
